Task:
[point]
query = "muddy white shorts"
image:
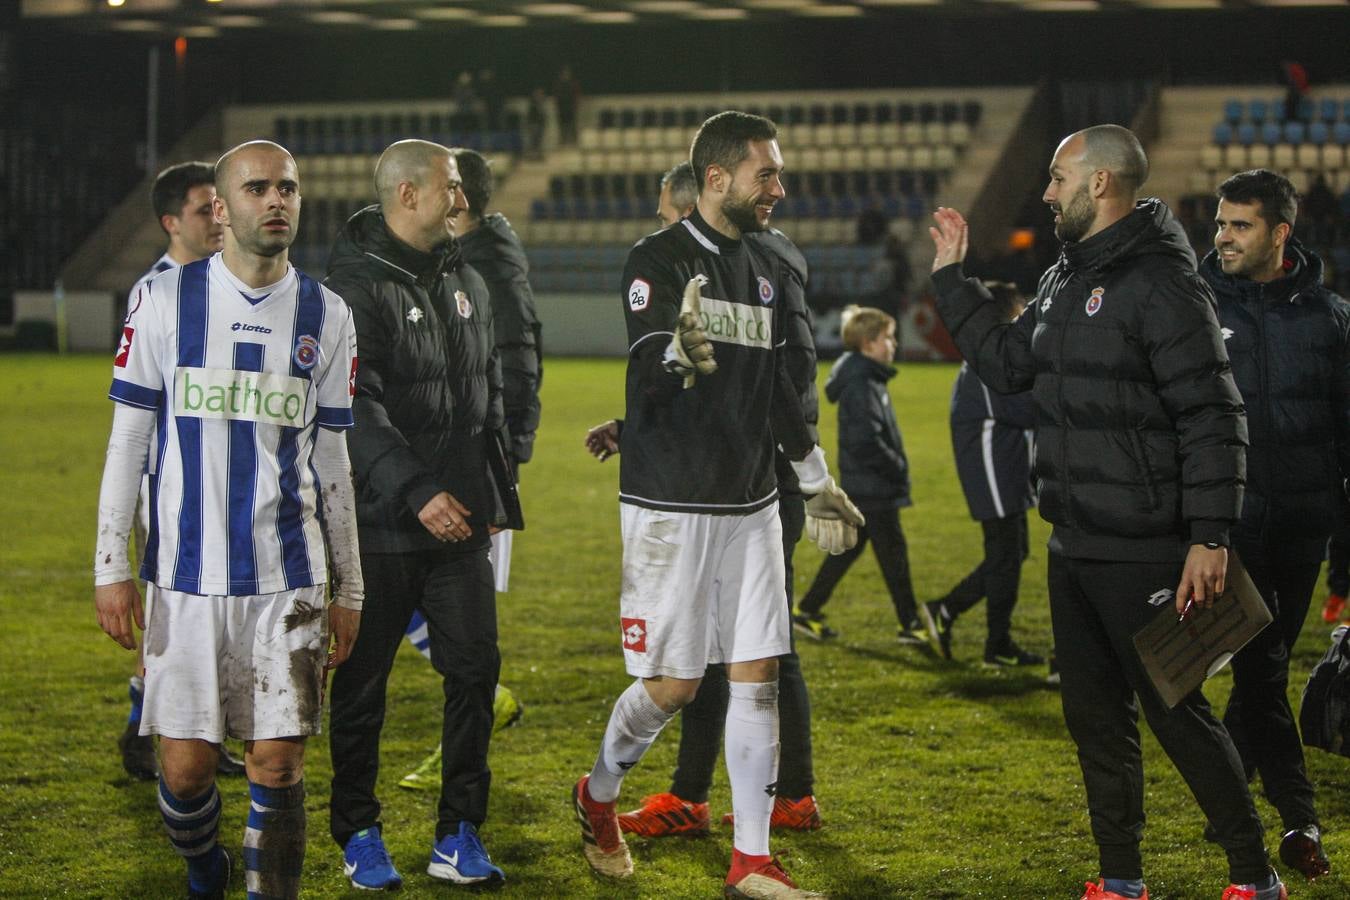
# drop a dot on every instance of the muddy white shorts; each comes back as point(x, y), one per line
point(247, 667)
point(700, 589)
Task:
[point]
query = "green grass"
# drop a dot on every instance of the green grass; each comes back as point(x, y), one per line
point(937, 780)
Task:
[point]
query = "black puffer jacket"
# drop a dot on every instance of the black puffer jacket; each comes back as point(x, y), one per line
point(873, 468)
point(428, 387)
point(494, 251)
point(1140, 434)
point(1289, 344)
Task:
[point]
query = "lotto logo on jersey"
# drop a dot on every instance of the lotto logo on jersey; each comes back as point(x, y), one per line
point(266, 397)
point(737, 323)
point(124, 347)
point(639, 294)
point(634, 634)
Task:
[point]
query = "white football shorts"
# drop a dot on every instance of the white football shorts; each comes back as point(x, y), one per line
point(501, 560)
point(701, 589)
point(247, 667)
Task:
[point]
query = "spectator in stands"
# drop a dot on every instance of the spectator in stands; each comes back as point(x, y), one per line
point(427, 452)
point(491, 247)
point(1289, 341)
point(873, 471)
point(1122, 350)
point(567, 100)
point(468, 109)
point(181, 197)
point(872, 224)
point(1296, 90)
point(991, 438)
point(536, 123)
point(490, 99)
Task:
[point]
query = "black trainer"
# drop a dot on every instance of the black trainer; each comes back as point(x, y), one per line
point(1301, 849)
point(1012, 655)
point(138, 754)
point(943, 619)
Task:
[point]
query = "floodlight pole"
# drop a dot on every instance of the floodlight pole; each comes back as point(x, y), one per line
point(152, 114)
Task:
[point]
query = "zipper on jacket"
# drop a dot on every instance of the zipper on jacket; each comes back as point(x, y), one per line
point(1064, 426)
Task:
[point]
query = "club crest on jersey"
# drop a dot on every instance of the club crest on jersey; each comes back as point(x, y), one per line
point(463, 305)
point(639, 294)
point(306, 351)
point(765, 291)
point(124, 347)
point(1094, 301)
point(634, 634)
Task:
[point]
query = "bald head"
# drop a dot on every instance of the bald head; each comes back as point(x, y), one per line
point(406, 162)
point(227, 165)
point(1119, 152)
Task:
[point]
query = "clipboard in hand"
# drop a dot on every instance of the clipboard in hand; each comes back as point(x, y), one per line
point(1179, 656)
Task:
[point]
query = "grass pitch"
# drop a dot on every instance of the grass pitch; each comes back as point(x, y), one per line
point(936, 779)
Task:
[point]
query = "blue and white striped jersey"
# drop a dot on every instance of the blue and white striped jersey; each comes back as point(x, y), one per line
point(239, 378)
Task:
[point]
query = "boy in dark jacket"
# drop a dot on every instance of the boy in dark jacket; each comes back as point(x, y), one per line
point(992, 438)
point(874, 470)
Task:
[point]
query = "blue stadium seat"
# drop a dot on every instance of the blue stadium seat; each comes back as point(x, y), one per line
point(1271, 133)
point(1319, 133)
point(1258, 110)
point(798, 207)
point(1295, 132)
point(1328, 110)
point(1246, 134)
point(1340, 132)
point(1223, 134)
point(539, 209)
point(892, 207)
point(1345, 110)
point(970, 112)
point(1232, 110)
point(883, 113)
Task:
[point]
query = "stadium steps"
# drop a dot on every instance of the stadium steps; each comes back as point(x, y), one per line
point(129, 238)
point(1187, 116)
point(529, 179)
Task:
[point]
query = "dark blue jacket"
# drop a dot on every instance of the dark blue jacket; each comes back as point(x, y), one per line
point(991, 438)
point(1288, 341)
point(873, 470)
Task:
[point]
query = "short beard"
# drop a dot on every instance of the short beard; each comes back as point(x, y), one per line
point(1075, 217)
point(740, 212)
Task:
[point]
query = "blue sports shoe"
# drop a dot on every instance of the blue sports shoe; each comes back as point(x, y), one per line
point(461, 858)
point(367, 862)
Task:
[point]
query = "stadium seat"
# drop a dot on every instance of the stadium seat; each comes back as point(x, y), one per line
point(1282, 156)
point(1308, 156)
point(1340, 132)
point(1211, 156)
point(1258, 110)
point(854, 157)
point(922, 158)
point(1223, 134)
point(1235, 157)
point(1295, 132)
point(1319, 132)
point(911, 134)
point(1258, 156)
point(1271, 133)
point(958, 133)
point(1333, 157)
point(1328, 109)
point(935, 133)
point(1246, 134)
point(889, 133)
point(1232, 110)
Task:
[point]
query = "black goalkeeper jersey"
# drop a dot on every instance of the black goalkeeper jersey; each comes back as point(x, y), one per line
point(707, 449)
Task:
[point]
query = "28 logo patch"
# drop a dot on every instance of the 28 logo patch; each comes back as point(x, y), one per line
point(634, 634)
point(639, 294)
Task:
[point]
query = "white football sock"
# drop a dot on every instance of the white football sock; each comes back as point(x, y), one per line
point(633, 726)
point(752, 762)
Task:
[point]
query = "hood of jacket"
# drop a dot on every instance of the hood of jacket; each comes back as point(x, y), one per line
point(494, 249)
point(1150, 229)
point(1303, 275)
point(851, 366)
point(366, 238)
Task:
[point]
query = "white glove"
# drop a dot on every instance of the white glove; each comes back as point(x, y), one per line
point(832, 521)
point(690, 352)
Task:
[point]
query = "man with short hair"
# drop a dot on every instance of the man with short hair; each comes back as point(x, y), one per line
point(684, 808)
point(703, 557)
point(181, 198)
point(491, 247)
point(434, 481)
point(242, 369)
point(1139, 454)
point(1288, 338)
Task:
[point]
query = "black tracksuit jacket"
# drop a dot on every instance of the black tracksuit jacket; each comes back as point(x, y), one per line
point(1140, 433)
point(1289, 344)
point(428, 404)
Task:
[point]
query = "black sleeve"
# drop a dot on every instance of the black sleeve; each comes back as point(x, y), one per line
point(1016, 410)
point(652, 293)
point(1195, 384)
point(799, 349)
point(1340, 388)
point(998, 351)
point(517, 334)
point(381, 457)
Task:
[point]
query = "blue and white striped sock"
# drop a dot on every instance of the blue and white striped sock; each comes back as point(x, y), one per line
point(417, 634)
point(192, 826)
point(136, 691)
point(274, 841)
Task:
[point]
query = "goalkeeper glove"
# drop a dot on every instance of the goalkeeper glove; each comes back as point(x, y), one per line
point(690, 352)
point(832, 521)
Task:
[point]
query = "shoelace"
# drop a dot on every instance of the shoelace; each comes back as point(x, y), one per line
point(372, 853)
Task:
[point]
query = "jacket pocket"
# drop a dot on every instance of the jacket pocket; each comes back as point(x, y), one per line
point(1140, 453)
